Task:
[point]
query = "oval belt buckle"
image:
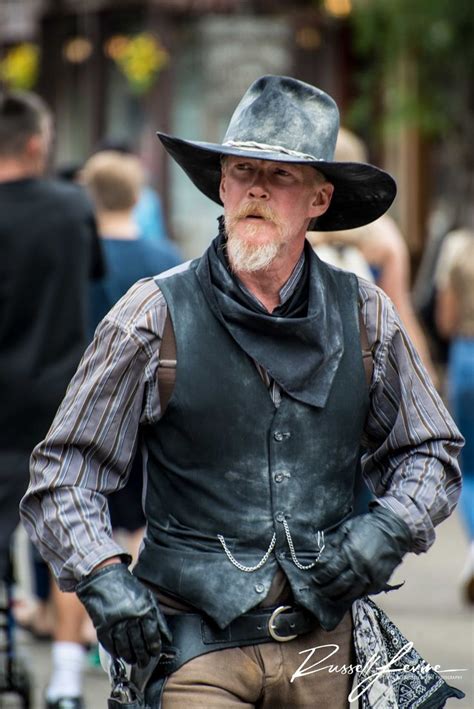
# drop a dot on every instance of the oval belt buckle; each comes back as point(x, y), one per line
point(271, 626)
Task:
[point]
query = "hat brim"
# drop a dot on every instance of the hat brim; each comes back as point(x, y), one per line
point(362, 192)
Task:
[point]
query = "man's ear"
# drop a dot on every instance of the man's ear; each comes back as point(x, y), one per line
point(321, 199)
point(222, 187)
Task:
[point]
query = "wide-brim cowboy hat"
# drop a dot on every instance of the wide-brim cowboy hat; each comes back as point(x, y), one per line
point(283, 119)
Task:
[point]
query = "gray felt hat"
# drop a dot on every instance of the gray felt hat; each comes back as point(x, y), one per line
point(280, 118)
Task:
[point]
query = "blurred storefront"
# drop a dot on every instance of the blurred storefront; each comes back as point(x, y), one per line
point(122, 69)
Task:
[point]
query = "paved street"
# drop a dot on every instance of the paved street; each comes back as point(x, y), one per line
point(428, 610)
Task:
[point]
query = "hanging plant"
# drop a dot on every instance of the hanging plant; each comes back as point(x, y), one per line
point(140, 58)
point(20, 66)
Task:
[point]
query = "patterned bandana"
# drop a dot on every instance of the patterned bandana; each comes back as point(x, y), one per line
point(379, 644)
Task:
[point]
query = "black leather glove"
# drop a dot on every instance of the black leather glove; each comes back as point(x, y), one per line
point(125, 614)
point(361, 555)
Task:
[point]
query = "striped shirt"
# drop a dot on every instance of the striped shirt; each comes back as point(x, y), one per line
point(410, 441)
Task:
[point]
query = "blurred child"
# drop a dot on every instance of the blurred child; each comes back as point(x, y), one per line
point(114, 181)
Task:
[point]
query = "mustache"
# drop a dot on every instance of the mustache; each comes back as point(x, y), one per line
point(255, 209)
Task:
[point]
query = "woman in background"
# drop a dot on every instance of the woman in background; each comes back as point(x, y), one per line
point(455, 321)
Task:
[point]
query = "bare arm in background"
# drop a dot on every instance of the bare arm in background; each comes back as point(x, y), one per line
point(385, 247)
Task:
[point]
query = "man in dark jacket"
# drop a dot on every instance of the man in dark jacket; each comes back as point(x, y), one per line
point(49, 249)
point(251, 556)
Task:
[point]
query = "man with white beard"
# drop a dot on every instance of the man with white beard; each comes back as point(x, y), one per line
point(265, 240)
point(252, 556)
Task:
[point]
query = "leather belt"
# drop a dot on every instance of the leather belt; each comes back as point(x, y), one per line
point(195, 635)
point(282, 623)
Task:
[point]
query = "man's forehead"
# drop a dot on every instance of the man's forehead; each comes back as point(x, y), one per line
point(299, 168)
point(232, 159)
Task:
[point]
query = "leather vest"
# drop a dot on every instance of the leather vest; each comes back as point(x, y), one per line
point(237, 487)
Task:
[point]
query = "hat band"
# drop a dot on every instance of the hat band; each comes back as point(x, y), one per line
point(252, 145)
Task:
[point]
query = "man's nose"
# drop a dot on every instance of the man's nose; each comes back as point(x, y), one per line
point(259, 187)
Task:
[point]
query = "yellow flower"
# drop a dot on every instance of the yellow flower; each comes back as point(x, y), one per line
point(141, 58)
point(19, 68)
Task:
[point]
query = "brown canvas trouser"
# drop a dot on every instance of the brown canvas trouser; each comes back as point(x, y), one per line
point(258, 676)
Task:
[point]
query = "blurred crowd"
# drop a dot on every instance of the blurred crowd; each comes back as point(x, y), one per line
point(72, 245)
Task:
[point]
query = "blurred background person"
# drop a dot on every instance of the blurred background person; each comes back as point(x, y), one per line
point(455, 321)
point(113, 181)
point(343, 252)
point(147, 212)
point(381, 248)
point(49, 251)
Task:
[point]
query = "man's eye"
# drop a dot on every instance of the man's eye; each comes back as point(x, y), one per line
point(283, 173)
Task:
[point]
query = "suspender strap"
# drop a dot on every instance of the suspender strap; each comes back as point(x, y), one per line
point(167, 364)
point(367, 358)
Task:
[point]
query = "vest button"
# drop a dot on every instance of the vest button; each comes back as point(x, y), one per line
point(281, 435)
point(279, 516)
point(279, 477)
point(259, 587)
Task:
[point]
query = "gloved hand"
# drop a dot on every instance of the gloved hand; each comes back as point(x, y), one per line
point(125, 614)
point(361, 555)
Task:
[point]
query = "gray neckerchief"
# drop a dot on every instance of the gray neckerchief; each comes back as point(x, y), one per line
point(301, 350)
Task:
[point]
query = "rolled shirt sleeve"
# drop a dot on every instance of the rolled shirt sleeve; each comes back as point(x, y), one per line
point(411, 442)
point(88, 451)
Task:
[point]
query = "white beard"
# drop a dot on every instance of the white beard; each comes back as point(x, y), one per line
point(245, 257)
